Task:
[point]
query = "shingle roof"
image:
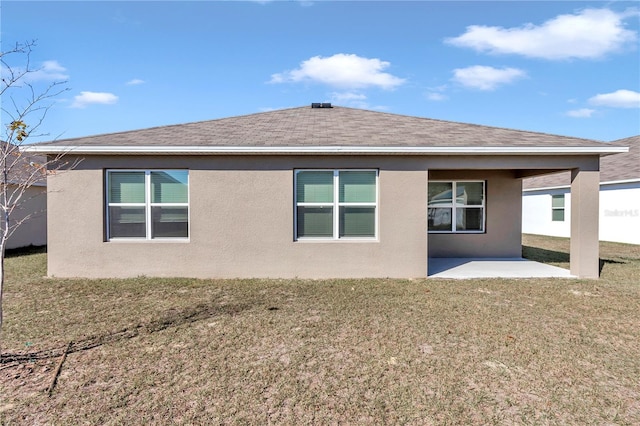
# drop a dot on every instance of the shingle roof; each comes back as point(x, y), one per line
point(337, 126)
point(613, 168)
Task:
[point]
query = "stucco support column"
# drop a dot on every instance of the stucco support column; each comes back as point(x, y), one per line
point(584, 254)
point(426, 228)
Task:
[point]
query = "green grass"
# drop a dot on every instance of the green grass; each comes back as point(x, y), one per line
point(184, 351)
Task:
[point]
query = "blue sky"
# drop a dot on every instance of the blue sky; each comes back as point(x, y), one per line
point(569, 68)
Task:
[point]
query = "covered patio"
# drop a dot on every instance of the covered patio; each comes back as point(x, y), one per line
point(493, 248)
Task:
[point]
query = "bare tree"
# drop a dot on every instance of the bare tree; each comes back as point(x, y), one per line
point(24, 107)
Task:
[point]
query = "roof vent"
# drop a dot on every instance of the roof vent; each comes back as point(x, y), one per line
point(321, 105)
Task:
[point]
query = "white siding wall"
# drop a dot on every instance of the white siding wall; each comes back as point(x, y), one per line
point(619, 213)
point(536, 213)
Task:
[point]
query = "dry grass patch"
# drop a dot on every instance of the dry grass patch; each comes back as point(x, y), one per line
point(534, 351)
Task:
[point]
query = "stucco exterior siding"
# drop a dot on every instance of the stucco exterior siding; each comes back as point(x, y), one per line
point(242, 210)
point(523, 164)
point(503, 218)
point(241, 223)
point(584, 247)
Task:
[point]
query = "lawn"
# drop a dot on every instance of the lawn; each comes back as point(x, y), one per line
point(383, 351)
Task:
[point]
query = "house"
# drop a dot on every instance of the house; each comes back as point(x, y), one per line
point(32, 230)
point(309, 192)
point(28, 220)
point(547, 199)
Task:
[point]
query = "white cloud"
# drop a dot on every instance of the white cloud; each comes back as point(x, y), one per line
point(618, 99)
point(54, 70)
point(588, 34)
point(85, 99)
point(437, 93)
point(435, 96)
point(486, 78)
point(581, 113)
point(135, 82)
point(350, 99)
point(345, 71)
point(347, 97)
point(49, 71)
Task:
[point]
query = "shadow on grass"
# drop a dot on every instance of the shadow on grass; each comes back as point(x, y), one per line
point(545, 256)
point(551, 256)
point(25, 251)
point(610, 261)
point(171, 318)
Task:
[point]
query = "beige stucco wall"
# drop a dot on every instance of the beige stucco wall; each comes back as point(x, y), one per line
point(584, 250)
point(241, 223)
point(242, 214)
point(33, 231)
point(503, 224)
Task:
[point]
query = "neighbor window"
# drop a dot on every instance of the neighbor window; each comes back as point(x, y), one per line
point(464, 212)
point(557, 208)
point(336, 204)
point(147, 204)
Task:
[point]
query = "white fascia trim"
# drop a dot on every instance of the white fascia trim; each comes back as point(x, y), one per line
point(475, 150)
point(611, 182)
point(546, 188)
point(618, 182)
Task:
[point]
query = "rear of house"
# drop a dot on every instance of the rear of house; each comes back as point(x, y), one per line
point(319, 192)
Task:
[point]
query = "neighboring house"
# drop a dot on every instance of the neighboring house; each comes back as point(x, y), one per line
point(33, 231)
point(547, 199)
point(310, 192)
point(28, 220)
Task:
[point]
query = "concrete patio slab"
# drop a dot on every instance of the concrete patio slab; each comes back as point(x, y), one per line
point(464, 268)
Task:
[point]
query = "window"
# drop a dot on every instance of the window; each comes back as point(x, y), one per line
point(463, 213)
point(557, 208)
point(147, 204)
point(336, 204)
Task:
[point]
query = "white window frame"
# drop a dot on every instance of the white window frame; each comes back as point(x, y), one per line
point(147, 206)
point(336, 204)
point(454, 206)
point(554, 209)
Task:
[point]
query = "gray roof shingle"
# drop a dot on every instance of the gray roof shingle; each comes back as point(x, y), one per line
point(613, 168)
point(337, 126)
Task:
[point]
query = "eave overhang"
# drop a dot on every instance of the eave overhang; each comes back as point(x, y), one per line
point(320, 150)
